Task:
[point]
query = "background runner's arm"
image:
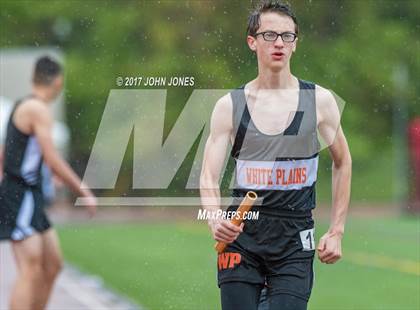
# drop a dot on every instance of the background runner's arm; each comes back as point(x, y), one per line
point(213, 162)
point(332, 133)
point(42, 128)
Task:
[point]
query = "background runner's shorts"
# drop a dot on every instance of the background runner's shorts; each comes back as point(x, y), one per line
point(21, 211)
point(274, 251)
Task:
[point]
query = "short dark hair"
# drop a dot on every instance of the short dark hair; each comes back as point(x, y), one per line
point(46, 70)
point(254, 20)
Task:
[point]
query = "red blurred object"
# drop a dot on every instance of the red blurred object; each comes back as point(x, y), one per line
point(414, 146)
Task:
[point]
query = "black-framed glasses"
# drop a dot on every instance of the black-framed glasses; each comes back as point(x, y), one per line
point(271, 36)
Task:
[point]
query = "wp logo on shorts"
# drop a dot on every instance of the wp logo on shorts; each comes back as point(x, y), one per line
point(228, 260)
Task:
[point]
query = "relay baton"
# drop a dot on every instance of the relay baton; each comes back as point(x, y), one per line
point(244, 207)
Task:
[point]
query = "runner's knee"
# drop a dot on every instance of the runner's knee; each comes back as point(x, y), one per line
point(52, 267)
point(32, 268)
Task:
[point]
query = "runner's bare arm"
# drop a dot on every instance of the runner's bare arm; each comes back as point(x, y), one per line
point(42, 128)
point(214, 153)
point(329, 248)
point(214, 156)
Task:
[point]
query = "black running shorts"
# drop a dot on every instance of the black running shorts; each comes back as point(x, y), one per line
point(275, 251)
point(21, 210)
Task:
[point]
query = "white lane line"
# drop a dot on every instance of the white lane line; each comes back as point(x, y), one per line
point(80, 293)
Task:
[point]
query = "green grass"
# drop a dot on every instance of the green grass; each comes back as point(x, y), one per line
point(173, 266)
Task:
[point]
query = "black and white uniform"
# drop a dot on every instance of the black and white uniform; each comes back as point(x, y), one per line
point(21, 199)
point(277, 250)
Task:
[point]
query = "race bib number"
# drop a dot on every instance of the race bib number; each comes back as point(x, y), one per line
point(308, 240)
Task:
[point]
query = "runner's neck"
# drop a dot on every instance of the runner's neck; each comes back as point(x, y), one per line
point(267, 79)
point(40, 94)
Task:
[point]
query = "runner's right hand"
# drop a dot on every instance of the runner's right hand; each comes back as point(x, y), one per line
point(90, 202)
point(224, 231)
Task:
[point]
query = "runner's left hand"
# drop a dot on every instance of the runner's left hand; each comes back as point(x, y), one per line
point(329, 248)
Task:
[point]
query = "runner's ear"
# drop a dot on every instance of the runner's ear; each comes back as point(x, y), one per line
point(252, 43)
point(295, 44)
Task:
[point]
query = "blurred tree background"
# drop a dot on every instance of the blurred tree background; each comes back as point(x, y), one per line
point(351, 47)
